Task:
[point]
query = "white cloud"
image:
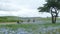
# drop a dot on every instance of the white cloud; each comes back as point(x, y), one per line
point(17, 4)
point(23, 8)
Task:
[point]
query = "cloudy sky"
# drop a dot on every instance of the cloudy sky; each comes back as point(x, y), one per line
point(22, 8)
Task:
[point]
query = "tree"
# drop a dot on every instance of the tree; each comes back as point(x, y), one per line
point(46, 8)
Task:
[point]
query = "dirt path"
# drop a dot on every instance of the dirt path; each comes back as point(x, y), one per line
point(4, 23)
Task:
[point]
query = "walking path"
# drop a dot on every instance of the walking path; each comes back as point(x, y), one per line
point(4, 23)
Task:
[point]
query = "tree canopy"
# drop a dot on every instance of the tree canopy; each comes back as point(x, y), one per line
point(50, 3)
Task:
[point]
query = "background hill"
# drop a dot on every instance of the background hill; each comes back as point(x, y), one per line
point(25, 19)
point(9, 18)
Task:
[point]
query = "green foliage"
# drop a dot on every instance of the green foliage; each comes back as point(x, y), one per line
point(50, 3)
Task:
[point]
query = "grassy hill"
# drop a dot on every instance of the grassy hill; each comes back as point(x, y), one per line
point(9, 18)
point(15, 18)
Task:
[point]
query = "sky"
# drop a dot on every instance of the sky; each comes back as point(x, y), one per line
point(22, 8)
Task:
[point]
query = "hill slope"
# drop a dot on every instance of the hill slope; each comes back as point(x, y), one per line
point(9, 18)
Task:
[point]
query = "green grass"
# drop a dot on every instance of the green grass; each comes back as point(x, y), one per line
point(15, 18)
point(34, 27)
point(9, 19)
point(28, 26)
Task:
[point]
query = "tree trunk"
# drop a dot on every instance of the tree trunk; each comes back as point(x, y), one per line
point(54, 16)
point(53, 19)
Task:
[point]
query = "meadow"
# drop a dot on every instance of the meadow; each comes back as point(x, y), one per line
point(31, 28)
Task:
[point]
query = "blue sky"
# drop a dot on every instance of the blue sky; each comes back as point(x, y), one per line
point(22, 8)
